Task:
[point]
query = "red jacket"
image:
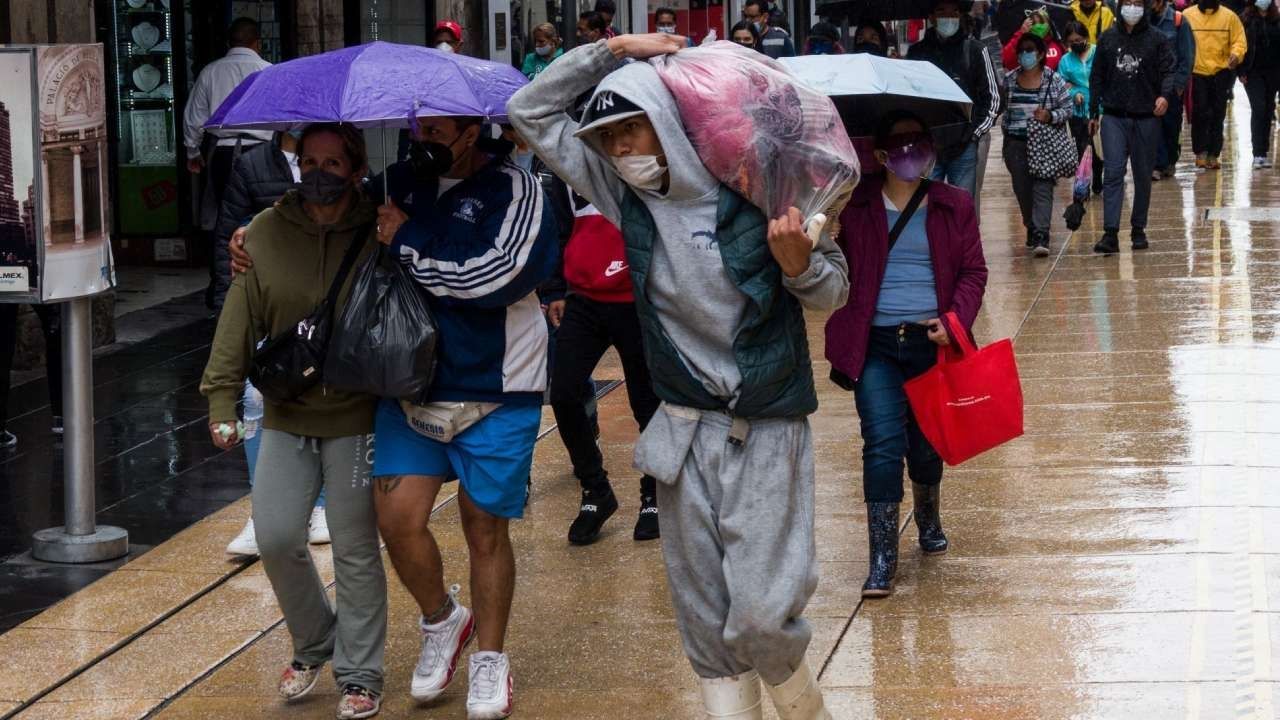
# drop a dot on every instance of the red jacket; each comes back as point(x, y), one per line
point(1009, 55)
point(595, 259)
point(955, 247)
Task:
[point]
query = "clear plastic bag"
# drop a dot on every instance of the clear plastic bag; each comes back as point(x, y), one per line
point(760, 131)
point(384, 343)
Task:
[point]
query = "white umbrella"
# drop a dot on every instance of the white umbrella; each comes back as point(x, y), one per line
point(864, 87)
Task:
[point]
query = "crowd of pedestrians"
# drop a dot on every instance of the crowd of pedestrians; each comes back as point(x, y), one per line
point(584, 230)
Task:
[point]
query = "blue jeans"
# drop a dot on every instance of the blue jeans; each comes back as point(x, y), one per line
point(961, 170)
point(251, 445)
point(890, 434)
point(1170, 136)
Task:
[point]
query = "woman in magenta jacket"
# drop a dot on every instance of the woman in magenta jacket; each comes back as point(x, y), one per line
point(890, 331)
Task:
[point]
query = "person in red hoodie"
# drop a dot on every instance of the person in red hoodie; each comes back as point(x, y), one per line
point(591, 306)
point(915, 254)
point(1036, 23)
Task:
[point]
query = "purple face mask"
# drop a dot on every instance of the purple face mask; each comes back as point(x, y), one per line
point(911, 161)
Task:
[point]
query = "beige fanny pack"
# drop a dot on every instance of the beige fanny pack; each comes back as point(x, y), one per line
point(443, 421)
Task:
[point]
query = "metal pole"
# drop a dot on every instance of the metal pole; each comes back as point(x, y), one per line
point(79, 540)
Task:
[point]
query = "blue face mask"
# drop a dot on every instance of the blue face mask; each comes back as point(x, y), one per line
point(820, 48)
point(1028, 60)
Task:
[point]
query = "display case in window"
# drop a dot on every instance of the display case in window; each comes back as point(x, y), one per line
point(147, 118)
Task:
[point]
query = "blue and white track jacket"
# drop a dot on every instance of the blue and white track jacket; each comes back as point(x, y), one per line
point(480, 250)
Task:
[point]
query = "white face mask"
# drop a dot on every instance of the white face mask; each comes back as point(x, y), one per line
point(667, 29)
point(948, 26)
point(1131, 14)
point(1262, 5)
point(445, 47)
point(642, 172)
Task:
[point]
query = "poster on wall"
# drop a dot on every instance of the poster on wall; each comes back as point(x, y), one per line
point(54, 218)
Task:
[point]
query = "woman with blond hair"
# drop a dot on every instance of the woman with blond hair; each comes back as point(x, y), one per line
point(546, 47)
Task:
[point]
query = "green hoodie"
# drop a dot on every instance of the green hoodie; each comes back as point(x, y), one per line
point(294, 262)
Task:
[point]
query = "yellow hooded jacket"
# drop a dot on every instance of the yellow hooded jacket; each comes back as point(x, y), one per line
point(1219, 37)
point(1098, 22)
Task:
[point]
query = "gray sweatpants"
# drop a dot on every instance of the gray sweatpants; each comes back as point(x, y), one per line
point(737, 536)
point(290, 472)
point(1035, 195)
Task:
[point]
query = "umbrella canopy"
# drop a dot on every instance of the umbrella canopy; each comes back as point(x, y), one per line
point(374, 85)
point(1012, 13)
point(865, 87)
point(858, 10)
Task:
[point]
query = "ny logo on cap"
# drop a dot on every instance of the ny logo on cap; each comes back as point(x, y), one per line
point(604, 101)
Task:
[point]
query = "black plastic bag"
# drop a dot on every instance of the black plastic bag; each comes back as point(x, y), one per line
point(384, 343)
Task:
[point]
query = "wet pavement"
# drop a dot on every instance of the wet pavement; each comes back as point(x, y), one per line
point(155, 471)
point(1118, 561)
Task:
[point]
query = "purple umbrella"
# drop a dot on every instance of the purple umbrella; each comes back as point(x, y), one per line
point(375, 85)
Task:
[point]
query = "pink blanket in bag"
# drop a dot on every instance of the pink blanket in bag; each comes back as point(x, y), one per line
point(758, 130)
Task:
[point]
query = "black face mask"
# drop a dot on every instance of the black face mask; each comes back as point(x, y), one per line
point(322, 188)
point(1079, 47)
point(1208, 5)
point(868, 48)
point(430, 159)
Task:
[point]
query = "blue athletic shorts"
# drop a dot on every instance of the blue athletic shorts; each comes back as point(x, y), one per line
point(491, 459)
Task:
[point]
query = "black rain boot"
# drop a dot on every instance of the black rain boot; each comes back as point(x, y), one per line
point(928, 499)
point(882, 533)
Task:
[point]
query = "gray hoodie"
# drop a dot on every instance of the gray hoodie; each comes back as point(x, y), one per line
point(698, 306)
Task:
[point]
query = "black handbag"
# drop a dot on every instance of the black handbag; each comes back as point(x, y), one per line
point(291, 363)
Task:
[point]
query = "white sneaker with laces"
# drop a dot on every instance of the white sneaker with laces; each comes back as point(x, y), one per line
point(442, 646)
point(318, 527)
point(1259, 163)
point(490, 695)
point(246, 543)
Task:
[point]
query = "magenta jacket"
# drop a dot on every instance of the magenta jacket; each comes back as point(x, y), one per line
point(955, 246)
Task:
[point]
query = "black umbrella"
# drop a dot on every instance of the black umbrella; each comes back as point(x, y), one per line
point(1013, 13)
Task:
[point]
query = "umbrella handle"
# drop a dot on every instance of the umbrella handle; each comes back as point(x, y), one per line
point(385, 165)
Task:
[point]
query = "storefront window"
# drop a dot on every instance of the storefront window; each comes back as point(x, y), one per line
point(147, 122)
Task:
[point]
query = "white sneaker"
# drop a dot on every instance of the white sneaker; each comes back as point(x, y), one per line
point(318, 527)
point(246, 543)
point(442, 646)
point(490, 695)
point(1259, 163)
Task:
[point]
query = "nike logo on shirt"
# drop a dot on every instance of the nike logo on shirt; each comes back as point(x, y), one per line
point(614, 268)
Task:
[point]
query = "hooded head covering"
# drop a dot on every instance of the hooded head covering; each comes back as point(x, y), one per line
point(637, 84)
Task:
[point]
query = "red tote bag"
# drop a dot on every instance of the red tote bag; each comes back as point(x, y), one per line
point(971, 401)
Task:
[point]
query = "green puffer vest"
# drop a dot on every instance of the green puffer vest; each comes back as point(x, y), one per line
point(771, 349)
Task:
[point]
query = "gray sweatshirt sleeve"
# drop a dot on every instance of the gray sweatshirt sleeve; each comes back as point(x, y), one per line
point(539, 113)
point(825, 285)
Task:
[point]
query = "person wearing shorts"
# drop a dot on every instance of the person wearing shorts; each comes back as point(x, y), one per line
point(472, 228)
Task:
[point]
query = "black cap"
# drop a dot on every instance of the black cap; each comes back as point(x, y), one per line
point(606, 107)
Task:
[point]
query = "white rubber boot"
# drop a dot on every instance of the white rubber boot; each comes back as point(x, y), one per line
point(798, 697)
point(736, 697)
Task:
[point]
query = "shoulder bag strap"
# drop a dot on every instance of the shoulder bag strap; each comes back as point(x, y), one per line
point(905, 216)
point(348, 259)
